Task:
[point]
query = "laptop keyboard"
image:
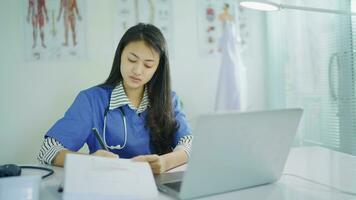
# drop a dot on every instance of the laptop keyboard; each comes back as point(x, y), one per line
point(174, 185)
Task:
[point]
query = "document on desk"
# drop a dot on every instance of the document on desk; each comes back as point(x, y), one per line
point(91, 177)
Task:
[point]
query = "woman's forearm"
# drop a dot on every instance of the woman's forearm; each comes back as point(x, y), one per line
point(60, 157)
point(174, 159)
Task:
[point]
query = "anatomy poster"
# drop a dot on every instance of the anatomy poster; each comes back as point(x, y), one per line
point(130, 12)
point(212, 14)
point(54, 30)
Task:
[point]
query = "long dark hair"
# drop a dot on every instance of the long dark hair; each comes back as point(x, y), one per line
point(160, 119)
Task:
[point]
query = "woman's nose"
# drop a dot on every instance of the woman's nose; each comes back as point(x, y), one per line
point(137, 69)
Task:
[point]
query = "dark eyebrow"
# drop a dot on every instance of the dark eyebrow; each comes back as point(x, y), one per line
point(136, 56)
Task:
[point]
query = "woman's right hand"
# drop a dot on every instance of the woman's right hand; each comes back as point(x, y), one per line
point(103, 153)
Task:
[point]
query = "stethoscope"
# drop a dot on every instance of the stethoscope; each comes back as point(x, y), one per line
point(125, 129)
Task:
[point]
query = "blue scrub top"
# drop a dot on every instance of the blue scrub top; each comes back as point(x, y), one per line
point(87, 112)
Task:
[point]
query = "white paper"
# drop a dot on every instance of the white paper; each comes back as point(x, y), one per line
point(107, 178)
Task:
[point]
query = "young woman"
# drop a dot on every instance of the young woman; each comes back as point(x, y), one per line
point(134, 110)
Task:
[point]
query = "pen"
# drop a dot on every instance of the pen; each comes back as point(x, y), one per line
point(98, 137)
point(60, 188)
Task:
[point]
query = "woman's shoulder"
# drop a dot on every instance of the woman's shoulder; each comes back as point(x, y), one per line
point(174, 95)
point(97, 91)
point(175, 98)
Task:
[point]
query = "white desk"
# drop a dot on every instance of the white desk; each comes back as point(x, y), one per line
point(316, 163)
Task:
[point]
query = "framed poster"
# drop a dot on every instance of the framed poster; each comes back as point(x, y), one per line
point(131, 12)
point(54, 30)
point(211, 16)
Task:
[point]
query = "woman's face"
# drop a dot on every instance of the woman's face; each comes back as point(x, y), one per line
point(138, 64)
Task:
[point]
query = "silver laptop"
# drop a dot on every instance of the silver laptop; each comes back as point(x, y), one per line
point(234, 151)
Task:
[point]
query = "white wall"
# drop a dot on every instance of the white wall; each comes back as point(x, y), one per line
point(35, 94)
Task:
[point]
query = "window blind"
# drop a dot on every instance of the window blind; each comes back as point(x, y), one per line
point(311, 64)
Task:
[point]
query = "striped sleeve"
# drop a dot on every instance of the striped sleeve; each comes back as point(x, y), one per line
point(185, 143)
point(49, 150)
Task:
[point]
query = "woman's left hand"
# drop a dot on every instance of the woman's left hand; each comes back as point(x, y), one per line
point(157, 163)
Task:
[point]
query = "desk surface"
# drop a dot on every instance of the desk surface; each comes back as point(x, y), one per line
point(313, 163)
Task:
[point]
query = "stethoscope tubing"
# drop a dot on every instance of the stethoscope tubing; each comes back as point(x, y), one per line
point(117, 147)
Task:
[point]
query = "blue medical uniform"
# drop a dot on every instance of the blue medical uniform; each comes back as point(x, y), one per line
point(87, 112)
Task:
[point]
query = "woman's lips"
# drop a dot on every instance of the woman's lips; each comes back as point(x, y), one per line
point(135, 79)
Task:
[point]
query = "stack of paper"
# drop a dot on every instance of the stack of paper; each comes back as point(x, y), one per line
point(91, 177)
